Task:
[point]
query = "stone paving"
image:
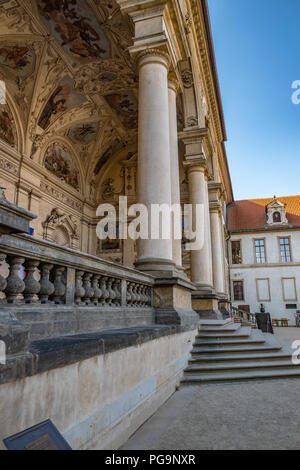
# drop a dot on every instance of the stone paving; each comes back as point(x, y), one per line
point(240, 416)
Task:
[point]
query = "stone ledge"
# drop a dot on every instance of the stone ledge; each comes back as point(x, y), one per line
point(52, 353)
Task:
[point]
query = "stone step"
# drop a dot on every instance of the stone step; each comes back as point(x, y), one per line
point(234, 350)
point(242, 333)
point(215, 323)
point(235, 376)
point(242, 366)
point(237, 358)
point(230, 329)
point(229, 342)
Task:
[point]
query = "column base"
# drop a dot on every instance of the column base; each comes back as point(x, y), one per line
point(155, 266)
point(173, 300)
point(206, 305)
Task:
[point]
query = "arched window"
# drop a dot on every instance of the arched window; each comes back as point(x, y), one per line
point(276, 217)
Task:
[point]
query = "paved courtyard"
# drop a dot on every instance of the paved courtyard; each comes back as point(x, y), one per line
point(252, 415)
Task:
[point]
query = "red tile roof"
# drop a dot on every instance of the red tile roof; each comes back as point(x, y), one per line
point(251, 214)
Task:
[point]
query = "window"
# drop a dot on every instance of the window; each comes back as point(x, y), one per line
point(260, 251)
point(285, 250)
point(236, 252)
point(276, 217)
point(238, 290)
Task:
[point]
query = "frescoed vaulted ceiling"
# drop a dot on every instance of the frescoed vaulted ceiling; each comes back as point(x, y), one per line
point(68, 76)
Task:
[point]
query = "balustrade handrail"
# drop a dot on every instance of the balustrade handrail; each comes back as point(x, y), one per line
point(69, 276)
point(243, 315)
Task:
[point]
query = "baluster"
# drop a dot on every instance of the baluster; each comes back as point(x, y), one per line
point(128, 294)
point(3, 282)
point(146, 288)
point(112, 294)
point(47, 287)
point(132, 294)
point(32, 286)
point(117, 290)
point(105, 293)
point(89, 291)
point(15, 285)
point(150, 292)
point(95, 286)
point(79, 290)
point(138, 296)
point(144, 297)
point(59, 287)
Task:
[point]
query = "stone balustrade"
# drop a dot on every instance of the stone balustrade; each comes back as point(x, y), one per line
point(43, 273)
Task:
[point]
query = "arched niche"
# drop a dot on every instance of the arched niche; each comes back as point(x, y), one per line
point(61, 229)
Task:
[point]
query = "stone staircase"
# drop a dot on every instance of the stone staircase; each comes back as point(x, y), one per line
point(225, 351)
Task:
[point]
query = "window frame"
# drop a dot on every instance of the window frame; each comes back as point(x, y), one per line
point(231, 257)
point(265, 250)
point(283, 292)
point(257, 289)
point(242, 281)
point(290, 245)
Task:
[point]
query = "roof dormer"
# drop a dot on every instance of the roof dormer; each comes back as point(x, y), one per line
point(276, 213)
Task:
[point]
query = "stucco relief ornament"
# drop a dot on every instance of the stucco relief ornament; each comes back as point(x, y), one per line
point(192, 121)
point(188, 22)
point(187, 78)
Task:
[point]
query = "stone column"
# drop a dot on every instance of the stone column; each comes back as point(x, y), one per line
point(154, 166)
point(217, 251)
point(175, 182)
point(201, 260)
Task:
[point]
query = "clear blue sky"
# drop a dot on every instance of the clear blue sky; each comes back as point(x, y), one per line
point(257, 46)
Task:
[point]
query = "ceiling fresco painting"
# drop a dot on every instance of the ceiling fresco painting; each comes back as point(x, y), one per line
point(62, 99)
point(126, 106)
point(84, 133)
point(71, 79)
point(59, 162)
point(7, 133)
point(18, 60)
point(76, 28)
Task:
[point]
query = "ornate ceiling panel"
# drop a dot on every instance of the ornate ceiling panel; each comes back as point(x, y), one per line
point(58, 58)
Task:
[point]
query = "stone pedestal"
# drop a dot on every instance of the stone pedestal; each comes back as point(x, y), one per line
point(173, 302)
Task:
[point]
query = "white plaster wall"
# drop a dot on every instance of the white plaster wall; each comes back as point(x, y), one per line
point(100, 402)
point(273, 270)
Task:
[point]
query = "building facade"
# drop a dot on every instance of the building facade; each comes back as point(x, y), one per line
point(115, 98)
point(264, 251)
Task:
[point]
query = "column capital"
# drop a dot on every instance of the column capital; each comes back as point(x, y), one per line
point(152, 55)
point(173, 83)
point(215, 206)
point(216, 191)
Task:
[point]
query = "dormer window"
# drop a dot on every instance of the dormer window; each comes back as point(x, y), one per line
point(276, 213)
point(276, 218)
